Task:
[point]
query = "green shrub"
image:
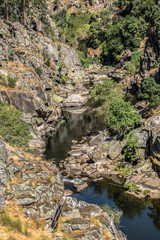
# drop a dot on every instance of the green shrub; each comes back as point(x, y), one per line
point(12, 129)
point(38, 70)
point(134, 65)
point(84, 60)
point(115, 214)
point(48, 62)
point(11, 81)
point(123, 170)
point(6, 220)
point(150, 91)
point(121, 116)
point(3, 80)
point(146, 192)
point(102, 91)
point(10, 54)
point(131, 187)
point(130, 151)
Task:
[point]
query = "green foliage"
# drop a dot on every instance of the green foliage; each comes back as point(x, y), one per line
point(6, 220)
point(134, 65)
point(12, 129)
point(84, 60)
point(102, 91)
point(130, 151)
point(38, 70)
point(16, 8)
point(123, 170)
point(62, 66)
point(150, 91)
point(121, 116)
point(64, 78)
point(131, 187)
point(11, 81)
point(48, 62)
point(10, 54)
point(146, 192)
point(73, 26)
point(115, 214)
point(3, 80)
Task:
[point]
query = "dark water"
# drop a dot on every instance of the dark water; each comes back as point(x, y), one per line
point(140, 220)
point(77, 127)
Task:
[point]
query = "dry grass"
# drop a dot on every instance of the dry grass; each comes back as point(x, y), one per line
point(29, 229)
point(107, 235)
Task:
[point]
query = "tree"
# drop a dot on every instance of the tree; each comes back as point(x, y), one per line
point(150, 91)
point(121, 116)
point(130, 151)
point(6, 9)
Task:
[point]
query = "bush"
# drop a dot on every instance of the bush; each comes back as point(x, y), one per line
point(11, 81)
point(130, 151)
point(150, 91)
point(38, 70)
point(115, 214)
point(12, 129)
point(121, 116)
point(102, 91)
point(8, 81)
point(134, 65)
point(6, 220)
point(10, 54)
point(3, 80)
point(123, 170)
point(84, 60)
point(131, 187)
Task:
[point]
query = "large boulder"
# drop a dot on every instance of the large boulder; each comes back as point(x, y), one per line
point(143, 136)
point(110, 148)
point(75, 100)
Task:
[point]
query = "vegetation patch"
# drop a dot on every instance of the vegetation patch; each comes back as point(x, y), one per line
point(115, 214)
point(8, 80)
point(123, 170)
point(130, 151)
point(131, 187)
point(150, 91)
point(13, 224)
point(121, 116)
point(12, 128)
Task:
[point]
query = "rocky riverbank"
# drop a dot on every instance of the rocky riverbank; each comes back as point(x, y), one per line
point(102, 158)
point(37, 187)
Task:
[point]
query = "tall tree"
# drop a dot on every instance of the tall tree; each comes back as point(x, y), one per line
point(24, 13)
point(6, 9)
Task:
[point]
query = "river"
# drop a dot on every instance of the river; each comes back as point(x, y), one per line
point(140, 219)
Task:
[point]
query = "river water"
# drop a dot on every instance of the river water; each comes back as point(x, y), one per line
point(140, 219)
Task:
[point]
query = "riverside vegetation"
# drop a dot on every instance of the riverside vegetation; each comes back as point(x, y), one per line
point(49, 52)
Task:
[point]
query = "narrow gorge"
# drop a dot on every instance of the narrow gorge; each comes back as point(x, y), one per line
point(79, 120)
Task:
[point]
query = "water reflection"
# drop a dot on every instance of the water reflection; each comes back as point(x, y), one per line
point(138, 221)
point(77, 126)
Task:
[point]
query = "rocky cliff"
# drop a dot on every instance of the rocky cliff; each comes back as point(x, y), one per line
point(48, 76)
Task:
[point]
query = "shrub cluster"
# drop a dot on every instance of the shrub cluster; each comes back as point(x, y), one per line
point(12, 128)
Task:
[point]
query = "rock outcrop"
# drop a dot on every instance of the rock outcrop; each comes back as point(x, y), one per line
point(3, 173)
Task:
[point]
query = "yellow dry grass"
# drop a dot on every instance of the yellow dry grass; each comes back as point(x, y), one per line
point(35, 233)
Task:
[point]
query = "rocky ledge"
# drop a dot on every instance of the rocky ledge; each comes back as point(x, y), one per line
point(80, 220)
